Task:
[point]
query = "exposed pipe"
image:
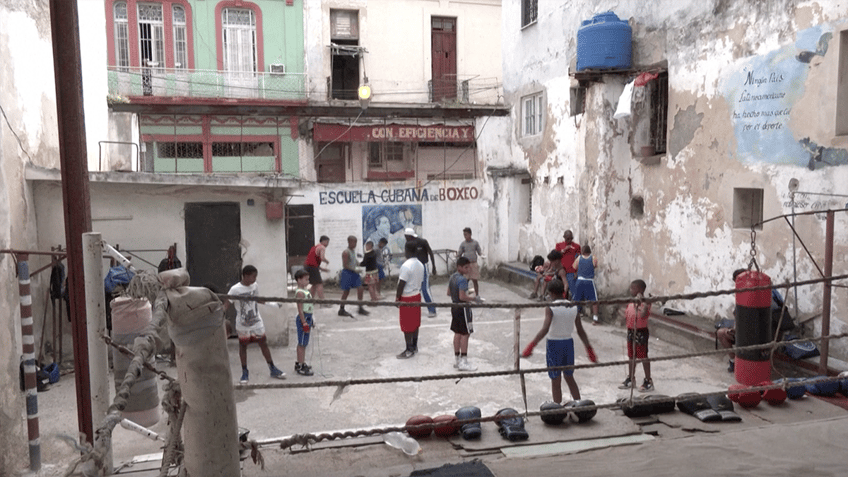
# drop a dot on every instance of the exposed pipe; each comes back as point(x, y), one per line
point(28, 340)
point(67, 71)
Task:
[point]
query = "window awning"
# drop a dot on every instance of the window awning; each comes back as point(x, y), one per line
point(392, 132)
point(347, 50)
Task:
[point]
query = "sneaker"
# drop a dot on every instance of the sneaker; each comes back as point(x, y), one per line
point(303, 369)
point(533, 295)
point(343, 312)
point(627, 384)
point(431, 314)
point(277, 373)
point(456, 362)
point(464, 365)
point(362, 311)
point(731, 366)
point(647, 386)
point(244, 377)
point(406, 354)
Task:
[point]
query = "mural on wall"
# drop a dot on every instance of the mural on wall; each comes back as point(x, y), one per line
point(762, 92)
point(389, 222)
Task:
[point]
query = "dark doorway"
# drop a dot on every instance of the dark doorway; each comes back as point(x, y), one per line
point(300, 233)
point(213, 234)
point(444, 58)
point(345, 79)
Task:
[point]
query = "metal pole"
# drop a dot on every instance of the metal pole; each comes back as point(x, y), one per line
point(98, 353)
point(828, 272)
point(794, 258)
point(30, 386)
point(64, 23)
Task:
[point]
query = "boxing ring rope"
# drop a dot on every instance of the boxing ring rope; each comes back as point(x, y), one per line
point(145, 345)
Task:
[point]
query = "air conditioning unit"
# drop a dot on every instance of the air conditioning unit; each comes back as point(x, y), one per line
point(277, 69)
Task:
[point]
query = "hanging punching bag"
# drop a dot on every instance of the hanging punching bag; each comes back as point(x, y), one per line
point(753, 320)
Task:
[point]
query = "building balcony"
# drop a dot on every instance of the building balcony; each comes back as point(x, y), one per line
point(171, 83)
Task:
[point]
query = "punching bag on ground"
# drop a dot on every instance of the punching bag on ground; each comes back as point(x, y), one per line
point(753, 327)
point(129, 318)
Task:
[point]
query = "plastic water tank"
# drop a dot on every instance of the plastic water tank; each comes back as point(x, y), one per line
point(604, 42)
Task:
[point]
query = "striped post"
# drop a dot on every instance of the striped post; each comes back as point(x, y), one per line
point(28, 339)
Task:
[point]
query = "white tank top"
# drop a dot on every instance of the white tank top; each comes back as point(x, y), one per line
point(562, 323)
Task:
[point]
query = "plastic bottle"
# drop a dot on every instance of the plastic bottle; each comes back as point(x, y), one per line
point(131, 426)
point(401, 441)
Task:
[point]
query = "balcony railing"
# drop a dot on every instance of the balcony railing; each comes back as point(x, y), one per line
point(150, 81)
point(465, 90)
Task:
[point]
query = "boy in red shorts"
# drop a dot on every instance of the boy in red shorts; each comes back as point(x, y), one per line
point(637, 337)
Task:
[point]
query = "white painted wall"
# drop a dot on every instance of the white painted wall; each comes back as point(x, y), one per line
point(396, 34)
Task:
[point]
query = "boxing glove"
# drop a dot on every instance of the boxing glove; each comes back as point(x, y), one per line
point(724, 407)
point(529, 349)
point(590, 352)
point(553, 413)
point(470, 430)
point(582, 415)
point(696, 405)
point(511, 427)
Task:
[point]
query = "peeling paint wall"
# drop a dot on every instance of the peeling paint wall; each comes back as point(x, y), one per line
point(751, 104)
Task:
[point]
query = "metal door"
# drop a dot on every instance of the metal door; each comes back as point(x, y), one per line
point(213, 234)
point(444, 58)
point(300, 233)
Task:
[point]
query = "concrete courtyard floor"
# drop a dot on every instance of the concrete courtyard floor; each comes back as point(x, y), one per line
point(806, 435)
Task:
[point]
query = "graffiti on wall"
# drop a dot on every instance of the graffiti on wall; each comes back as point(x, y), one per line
point(389, 222)
point(762, 92)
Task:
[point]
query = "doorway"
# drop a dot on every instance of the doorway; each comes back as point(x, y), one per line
point(443, 33)
point(213, 234)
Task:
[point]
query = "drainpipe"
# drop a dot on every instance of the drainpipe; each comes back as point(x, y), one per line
point(64, 28)
point(28, 340)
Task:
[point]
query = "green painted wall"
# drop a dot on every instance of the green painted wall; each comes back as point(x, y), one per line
point(282, 32)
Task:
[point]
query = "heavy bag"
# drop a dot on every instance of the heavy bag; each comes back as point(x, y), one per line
point(753, 327)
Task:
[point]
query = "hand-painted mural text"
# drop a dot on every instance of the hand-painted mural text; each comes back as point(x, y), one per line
point(390, 196)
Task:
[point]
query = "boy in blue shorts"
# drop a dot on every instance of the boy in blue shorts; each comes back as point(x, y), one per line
point(349, 277)
point(560, 322)
point(303, 320)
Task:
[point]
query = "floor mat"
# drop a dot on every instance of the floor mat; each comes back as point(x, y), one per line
point(473, 468)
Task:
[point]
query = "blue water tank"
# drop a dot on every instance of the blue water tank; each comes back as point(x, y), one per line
point(604, 42)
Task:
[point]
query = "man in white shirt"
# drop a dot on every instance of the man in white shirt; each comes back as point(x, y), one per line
point(409, 290)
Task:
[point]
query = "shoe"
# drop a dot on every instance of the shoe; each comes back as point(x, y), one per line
point(303, 369)
point(627, 384)
point(406, 354)
point(276, 373)
point(731, 366)
point(456, 362)
point(244, 377)
point(343, 312)
point(362, 311)
point(533, 295)
point(647, 386)
point(464, 365)
point(431, 314)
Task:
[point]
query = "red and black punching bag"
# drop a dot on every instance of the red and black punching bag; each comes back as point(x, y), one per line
point(753, 327)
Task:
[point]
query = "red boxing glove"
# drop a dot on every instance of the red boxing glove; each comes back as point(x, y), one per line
point(306, 328)
point(591, 354)
point(528, 350)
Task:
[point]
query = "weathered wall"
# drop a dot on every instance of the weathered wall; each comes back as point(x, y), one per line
point(27, 134)
point(752, 102)
point(438, 211)
point(396, 34)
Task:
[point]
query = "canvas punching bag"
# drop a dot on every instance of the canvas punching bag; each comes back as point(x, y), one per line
point(753, 319)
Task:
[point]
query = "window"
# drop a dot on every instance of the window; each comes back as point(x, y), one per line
point(345, 51)
point(381, 153)
point(659, 113)
point(330, 163)
point(529, 12)
point(122, 37)
point(842, 87)
point(239, 40)
point(747, 208)
point(578, 100)
point(532, 112)
point(151, 35)
point(180, 43)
